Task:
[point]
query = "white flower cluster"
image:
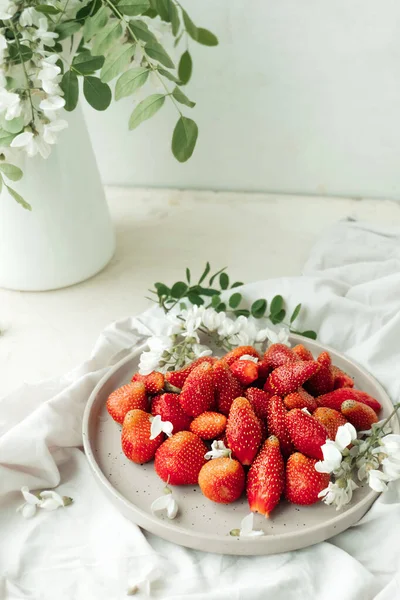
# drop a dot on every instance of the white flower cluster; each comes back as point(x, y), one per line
point(47, 500)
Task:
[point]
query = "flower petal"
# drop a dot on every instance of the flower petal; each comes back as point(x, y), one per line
point(345, 435)
point(28, 497)
point(172, 508)
point(160, 503)
point(28, 511)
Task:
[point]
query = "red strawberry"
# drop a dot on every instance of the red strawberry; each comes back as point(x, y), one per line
point(278, 355)
point(170, 409)
point(180, 458)
point(306, 433)
point(288, 378)
point(302, 352)
point(209, 425)
point(259, 401)
point(246, 371)
point(266, 478)
point(126, 398)
point(264, 369)
point(264, 430)
point(330, 418)
point(276, 421)
point(178, 378)
point(341, 379)
point(154, 381)
point(337, 397)
point(360, 415)
point(243, 431)
point(226, 387)
point(303, 482)
point(236, 353)
point(300, 399)
point(222, 480)
point(322, 382)
point(197, 394)
point(135, 437)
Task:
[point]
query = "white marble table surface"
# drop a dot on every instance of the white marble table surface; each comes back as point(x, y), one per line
point(159, 233)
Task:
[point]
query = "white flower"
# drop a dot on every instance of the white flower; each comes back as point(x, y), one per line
point(253, 359)
point(218, 450)
point(228, 327)
point(149, 361)
point(278, 337)
point(28, 509)
point(165, 503)
point(31, 144)
point(49, 76)
point(29, 17)
point(192, 320)
point(337, 494)
point(51, 129)
point(212, 320)
point(200, 350)
point(3, 80)
point(7, 10)
point(41, 34)
point(144, 583)
point(10, 103)
point(3, 45)
point(391, 468)
point(158, 426)
point(47, 500)
point(376, 480)
point(345, 435)
point(390, 445)
point(332, 458)
point(52, 103)
point(50, 500)
point(246, 527)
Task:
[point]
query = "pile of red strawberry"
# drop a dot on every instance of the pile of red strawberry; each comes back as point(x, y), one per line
point(255, 408)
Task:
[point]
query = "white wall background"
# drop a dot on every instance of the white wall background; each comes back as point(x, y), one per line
point(300, 96)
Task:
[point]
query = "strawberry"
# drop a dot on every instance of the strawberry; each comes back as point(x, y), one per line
point(236, 353)
point(330, 418)
point(180, 458)
point(306, 433)
point(264, 369)
point(154, 381)
point(266, 477)
point(278, 355)
point(126, 398)
point(222, 480)
point(289, 377)
point(335, 399)
point(246, 371)
point(178, 378)
point(300, 399)
point(276, 421)
point(303, 483)
point(209, 425)
point(135, 437)
point(170, 409)
point(243, 431)
point(258, 400)
point(302, 352)
point(226, 387)
point(322, 382)
point(341, 379)
point(197, 394)
point(360, 415)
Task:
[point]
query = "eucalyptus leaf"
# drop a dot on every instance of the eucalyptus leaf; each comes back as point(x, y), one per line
point(276, 304)
point(105, 39)
point(206, 38)
point(295, 313)
point(182, 98)
point(141, 31)
point(179, 289)
point(168, 75)
point(157, 52)
point(95, 23)
point(146, 109)
point(185, 67)
point(86, 64)
point(235, 300)
point(97, 93)
point(11, 171)
point(116, 62)
point(224, 281)
point(184, 139)
point(18, 198)
point(205, 272)
point(66, 29)
point(258, 308)
point(70, 87)
point(133, 8)
point(130, 81)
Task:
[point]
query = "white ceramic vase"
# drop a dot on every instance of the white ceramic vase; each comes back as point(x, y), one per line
point(68, 236)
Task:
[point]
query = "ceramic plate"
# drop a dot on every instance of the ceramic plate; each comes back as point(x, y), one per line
point(202, 524)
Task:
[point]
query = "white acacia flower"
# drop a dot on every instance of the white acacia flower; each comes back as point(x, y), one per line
point(50, 500)
point(47, 500)
point(192, 321)
point(31, 144)
point(28, 17)
point(218, 450)
point(201, 350)
point(43, 35)
point(246, 528)
point(10, 103)
point(3, 45)
point(228, 327)
point(377, 480)
point(7, 10)
point(391, 468)
point(143, 584)
point(51, 129)
point(212, 319)
point(390, 445)
point(337, 494)
point(51, 104)
point(345, 435)
point(159, 426)
point(253, 359)
point(281, 336)
point(332, 458)
point(165, 503)
point(149, 360)
point(28, 509)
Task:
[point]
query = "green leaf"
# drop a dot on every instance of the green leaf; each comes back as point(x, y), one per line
point(95, 23)
point(295, 313)
point(237, 284)
point(161, 6)
point(221, 307)
point(224, 281)
point(206, 38)
point(19, 198)
point(195, 299)
point(216, 275)
point(205, 272)
point(308, 334)
point(14, 126)
point(130, 81)
point(89, 10)
point(185, 67)
point(16, 53)
point(235, 300)
point(116, 61)
point(179, 289)
point(97, 93)
point(168, 75)
point(207, 291)
point(146, 109)
point(105, 39)
point(47, 9)
point(11, 171)
point(278, 317)
point(184, 138)
point(70, 87)
point(188, 275)
point(86, 64)
point(182, 98)
point(174, 17)
point(66, 29)
point(215, 301)
point(132, 8)
point(141, 31)
point(162, 289)
point(189, 25)
point(241, 312)
point(258, 308)
point(276, 304)
point(157, 52)
point(6, 138)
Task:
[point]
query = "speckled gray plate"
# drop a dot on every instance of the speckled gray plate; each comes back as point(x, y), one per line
point(202, 524)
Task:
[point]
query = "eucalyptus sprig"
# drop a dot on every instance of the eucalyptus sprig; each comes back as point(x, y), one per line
point(203, 292)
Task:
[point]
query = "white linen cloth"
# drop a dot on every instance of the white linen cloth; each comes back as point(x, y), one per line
point(351, 291)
